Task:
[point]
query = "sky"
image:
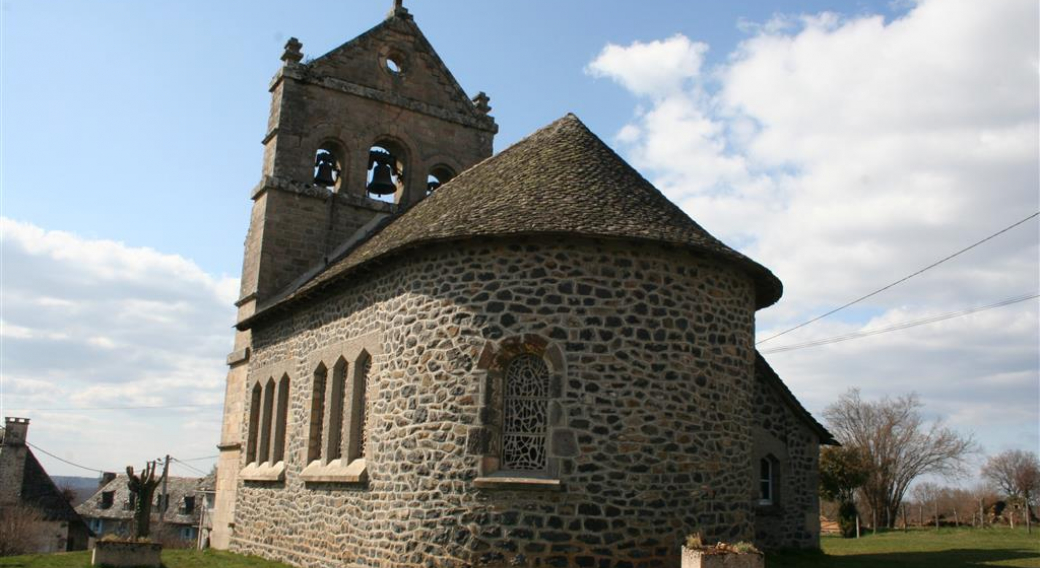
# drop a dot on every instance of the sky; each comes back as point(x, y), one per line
point(844, 145)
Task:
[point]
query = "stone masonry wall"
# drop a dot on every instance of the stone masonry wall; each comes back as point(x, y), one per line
point(793, 521)
point(657, 390)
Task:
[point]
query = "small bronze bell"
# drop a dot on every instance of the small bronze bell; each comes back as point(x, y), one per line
point(382, 183)
point(326, 175)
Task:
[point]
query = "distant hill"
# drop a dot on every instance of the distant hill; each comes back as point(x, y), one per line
point(83, 487)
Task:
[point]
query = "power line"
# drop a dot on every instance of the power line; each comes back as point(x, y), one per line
point(39, 449)
point(900, 281)
point(900, 326)
point(213, 457)
point(81, 408)
point(182, 464)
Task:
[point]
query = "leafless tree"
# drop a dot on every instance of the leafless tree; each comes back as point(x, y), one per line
point(68, 494)
point(1016, 473)
point(18, 527)
point(901, 446)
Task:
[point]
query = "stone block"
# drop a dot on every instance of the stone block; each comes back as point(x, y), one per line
point(697, 558)
point(564, 443)
point(118, 554)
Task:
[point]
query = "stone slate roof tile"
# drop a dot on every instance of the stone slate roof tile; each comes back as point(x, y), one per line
point(177, 488)
point(562, 180)
point(39, 491)
point(766, 374)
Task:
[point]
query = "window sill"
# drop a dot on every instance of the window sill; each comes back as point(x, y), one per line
point(336, 472)
point(768, 509)
point(263, 472)
point(517, 483)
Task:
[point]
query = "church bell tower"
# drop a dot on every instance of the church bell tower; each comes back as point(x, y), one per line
point(354, 137)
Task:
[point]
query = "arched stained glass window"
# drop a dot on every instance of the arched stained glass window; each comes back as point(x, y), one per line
point(526, 413)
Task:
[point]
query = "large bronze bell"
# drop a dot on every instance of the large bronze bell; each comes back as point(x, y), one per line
point(326, 175)
point(382, 183)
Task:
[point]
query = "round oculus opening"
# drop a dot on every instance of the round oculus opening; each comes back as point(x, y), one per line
point(394, 66)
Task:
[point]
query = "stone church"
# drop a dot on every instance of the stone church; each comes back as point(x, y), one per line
point(449, 358)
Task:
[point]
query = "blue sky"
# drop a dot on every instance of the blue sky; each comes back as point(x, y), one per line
point(141, 121)
point(842, 144)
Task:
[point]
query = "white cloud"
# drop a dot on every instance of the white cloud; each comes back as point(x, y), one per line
point(96, 323)
point(658, 68)
point(844, 153)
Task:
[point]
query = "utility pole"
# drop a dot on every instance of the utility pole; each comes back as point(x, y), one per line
point(164, 499)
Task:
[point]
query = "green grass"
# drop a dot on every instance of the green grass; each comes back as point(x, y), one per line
point(924, 548)
point(171, 559)
point(947, 548)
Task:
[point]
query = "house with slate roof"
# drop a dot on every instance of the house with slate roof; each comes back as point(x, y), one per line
point(24, 485)
point(175, 517)
point(447, 357)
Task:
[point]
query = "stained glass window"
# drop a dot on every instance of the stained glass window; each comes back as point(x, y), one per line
point(526, 414)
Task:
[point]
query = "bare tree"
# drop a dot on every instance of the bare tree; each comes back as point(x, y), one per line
point(68, 494)
point(899, 444)
point(18, 525)
point(1016, 473)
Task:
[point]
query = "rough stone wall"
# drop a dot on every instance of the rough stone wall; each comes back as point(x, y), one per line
point(793, 521)
point(658, 384)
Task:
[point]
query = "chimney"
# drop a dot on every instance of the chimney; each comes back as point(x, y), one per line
point(15, 430)
point(12, 461)
point(106, 478)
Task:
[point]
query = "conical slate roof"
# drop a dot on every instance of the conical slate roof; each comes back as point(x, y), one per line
point(561, 180)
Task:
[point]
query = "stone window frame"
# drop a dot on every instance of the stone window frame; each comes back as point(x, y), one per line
point(485, 439)
point(348, 465)
point(267, 428)
point(769, 447)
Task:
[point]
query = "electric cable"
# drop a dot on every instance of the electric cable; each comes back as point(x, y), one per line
point(900, 281)
point(41, 450)
point(900, 326)
point(176, 461)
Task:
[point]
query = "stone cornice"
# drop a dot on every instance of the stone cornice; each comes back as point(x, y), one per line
point(299, 73)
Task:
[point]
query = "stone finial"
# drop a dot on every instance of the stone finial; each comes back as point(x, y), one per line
point(481, 101)
point(292, 52)
point(399, 11)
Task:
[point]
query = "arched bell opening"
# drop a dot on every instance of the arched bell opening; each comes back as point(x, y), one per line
point(386, 171)
point(438, 176)
point(328, 166)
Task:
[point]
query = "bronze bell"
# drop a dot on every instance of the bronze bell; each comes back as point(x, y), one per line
point(382, 183)
point(326, 170)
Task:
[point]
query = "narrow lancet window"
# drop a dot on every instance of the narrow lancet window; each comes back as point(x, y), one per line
point(266, 415)
point(336, 396)
point(314, 439)
point(765, 482)
point(526, 413)
point(359, 411)
point(254, 424)
point(281, 421)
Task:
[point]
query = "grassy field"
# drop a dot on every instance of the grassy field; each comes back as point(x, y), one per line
point(171, 559)
point(947, 548)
